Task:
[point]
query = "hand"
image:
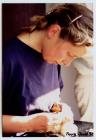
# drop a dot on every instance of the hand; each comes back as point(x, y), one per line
point(37, 123)
point(45, 122)
point(41, 122)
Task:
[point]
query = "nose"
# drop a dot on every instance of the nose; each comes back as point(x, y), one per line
point(65, 62)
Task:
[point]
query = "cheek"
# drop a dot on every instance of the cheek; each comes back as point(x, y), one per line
point(61, 54)
point(48, 54)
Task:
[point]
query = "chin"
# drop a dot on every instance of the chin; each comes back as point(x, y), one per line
point(66, 65)
point(50, 62)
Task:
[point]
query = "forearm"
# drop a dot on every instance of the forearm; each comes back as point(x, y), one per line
point(14, 124)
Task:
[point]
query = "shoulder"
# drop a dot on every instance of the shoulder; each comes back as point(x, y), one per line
point(9, 45)
point(9, 51)
point(10, 48)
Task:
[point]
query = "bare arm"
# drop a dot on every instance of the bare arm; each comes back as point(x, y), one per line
point(14, 124)
point(40, 122)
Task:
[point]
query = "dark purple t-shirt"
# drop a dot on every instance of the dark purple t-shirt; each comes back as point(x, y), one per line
point(29, 82)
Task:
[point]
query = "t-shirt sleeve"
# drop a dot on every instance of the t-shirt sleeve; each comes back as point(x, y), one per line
point(60, 78)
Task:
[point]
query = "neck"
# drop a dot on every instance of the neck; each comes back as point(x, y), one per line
point(33, 40)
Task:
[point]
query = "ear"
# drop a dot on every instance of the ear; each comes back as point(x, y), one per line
point(54, 30)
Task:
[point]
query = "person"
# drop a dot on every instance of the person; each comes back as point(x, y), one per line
point(31, 66)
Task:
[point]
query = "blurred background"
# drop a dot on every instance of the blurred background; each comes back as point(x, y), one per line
point(16, 16)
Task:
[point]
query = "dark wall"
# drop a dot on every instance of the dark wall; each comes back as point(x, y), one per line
point(16, 16)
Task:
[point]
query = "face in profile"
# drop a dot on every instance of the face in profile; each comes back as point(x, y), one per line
point(62, 52)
